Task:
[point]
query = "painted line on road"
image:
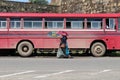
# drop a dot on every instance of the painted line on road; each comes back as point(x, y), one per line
point(104, 71)
point(53, 74)
point(14, 74)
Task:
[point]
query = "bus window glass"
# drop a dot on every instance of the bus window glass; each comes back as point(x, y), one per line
point(18, 24)
point(68, 25)
point(33, 23)
point(59, 24)
point(49, 24)
point(12, 24)
point(3, 23)
point(110, 23)
point(119, 23)
point(27, 24)
point(75, 23)
point(15, 22)
point(88, 25)
point(54, 23)
point(37, 24)
point(94, 23)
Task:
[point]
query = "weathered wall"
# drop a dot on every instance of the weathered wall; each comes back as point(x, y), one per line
point(89, 6)
point(9, 6)
point(64, 6)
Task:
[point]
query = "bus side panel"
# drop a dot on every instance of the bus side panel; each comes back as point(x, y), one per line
point(112, 42)
point(51, 43)
point(42, 40)
point(72, 43)
point(117, 42)
point(12, 43)
point(112, 39)
point(3, 43)
point(76, 39)
point(3, 39)
point(79, 43)
point(38, 43)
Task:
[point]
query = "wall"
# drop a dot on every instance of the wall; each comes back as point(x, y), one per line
point(9, 6)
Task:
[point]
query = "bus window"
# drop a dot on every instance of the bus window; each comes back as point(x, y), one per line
point(3, 23)
point(94, 23)
point(88, 25)
point(77, 25)
point(60, 24)
point(49, 25)
point(68, 25)
point(33, 23)
point(119, 23)
point(15, 23)
point(110, 23)
point(37, 24)
point(54, 23)
point(74, 23)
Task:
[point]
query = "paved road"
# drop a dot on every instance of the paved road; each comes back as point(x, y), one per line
point(51, 68)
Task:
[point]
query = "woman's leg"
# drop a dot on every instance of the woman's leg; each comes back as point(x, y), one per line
point(64, 50)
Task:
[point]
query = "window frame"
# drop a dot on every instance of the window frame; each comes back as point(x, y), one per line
point(99, 25)
point(32, 26)
point(15, 25)
point(1, 25)
point(72, 20)
point(81, 22)
point(54, 25)
point(118, 19)
point(92, 20)
point(113, 26)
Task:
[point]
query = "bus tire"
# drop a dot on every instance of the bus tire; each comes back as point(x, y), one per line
point(25, 49)
point(98, 49)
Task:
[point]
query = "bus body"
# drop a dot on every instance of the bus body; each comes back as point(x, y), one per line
point(28, 31)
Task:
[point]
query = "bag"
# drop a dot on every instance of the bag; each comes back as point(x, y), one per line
point(67, 50)
point(62, 45)
point(60, 53)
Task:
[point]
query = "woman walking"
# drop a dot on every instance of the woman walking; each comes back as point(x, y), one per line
point(63, 44)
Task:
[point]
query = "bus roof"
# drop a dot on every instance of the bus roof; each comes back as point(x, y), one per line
point(61, 15)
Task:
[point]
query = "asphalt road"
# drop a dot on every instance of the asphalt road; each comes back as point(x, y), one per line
point(51, 68)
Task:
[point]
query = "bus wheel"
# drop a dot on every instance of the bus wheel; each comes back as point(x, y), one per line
point(25, 49)
point(98, 49)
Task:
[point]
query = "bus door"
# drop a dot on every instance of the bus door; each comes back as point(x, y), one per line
point(110, 30)
point(118, 34)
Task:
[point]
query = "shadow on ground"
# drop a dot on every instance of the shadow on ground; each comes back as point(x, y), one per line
point(14, 54)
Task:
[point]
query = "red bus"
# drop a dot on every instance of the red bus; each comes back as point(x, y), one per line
point(26, 32)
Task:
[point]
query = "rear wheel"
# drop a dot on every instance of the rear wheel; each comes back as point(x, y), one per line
point(25, 49)
point(98, 49)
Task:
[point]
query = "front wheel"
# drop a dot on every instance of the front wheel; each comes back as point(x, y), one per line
point(98, 49)
point(25, 49)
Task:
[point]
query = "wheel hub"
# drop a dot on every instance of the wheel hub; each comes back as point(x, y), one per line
point(25, 48)
point(98, 50)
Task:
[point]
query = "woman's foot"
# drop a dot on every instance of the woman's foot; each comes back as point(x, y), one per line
point(70, 56)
